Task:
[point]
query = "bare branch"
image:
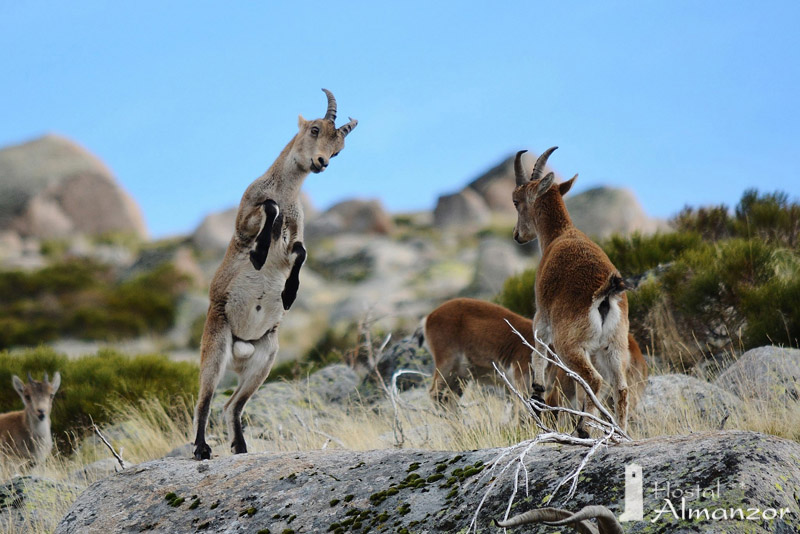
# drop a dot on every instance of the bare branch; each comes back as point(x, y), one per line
point(107, 444)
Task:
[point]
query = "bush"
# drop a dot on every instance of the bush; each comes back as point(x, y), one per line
point(636, 254)
point(92, 385)
point(518, 293)
point(80, 298)
point(746, 286)
point(769, 216)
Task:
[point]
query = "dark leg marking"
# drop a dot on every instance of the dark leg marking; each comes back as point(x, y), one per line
point(202, 451)
point(239, 446)
point(259, 254)
point(293, 282)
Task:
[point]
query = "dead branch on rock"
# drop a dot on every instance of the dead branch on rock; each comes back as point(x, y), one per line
point(612, 433)
point(581, 521)
point(394, 397)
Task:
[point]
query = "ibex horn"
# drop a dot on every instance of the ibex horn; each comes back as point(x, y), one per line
point(347, 128)
point(519, 172)
point(538, 168)
point(331, 113)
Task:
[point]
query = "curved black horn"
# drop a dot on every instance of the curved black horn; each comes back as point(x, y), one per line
point(331, 113)
point(538, 168)
point(347, 128)
point(519, 172)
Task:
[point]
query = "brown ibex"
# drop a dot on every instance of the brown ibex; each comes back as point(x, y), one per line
point(259, 275)
point(466, 336)
point(26, 433)
point(581, 305)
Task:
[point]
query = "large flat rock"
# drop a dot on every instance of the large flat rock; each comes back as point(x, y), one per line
point(429, 491)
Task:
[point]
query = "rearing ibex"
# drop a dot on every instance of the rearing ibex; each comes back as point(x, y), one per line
point(259, 276)
point(581, 306)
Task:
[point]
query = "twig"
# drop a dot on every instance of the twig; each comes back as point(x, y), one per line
point(328, 437)
point(104, 440)
point(605, 422)
point(394, 397)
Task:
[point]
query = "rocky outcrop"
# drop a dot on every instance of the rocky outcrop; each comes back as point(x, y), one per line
point(496, 185)
point(52, 188)
point(351, 216)
point(497, 260)
point(465, 210)
point(428, 491)
point(603, 211)
point(26, 501)
point(697, 398)
point(767, 374)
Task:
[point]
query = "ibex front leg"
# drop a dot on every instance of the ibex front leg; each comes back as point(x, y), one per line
point(293, 282)
point(259, 253)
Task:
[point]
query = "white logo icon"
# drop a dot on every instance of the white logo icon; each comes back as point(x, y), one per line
point(634, 498)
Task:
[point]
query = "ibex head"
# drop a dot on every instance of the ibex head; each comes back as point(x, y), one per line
point(530, 193)
point(37, 396)
point(320, 140)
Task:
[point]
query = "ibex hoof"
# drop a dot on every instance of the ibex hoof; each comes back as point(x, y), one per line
point(582, 433)
point(538, 388)
point(202, 452)
point(238, 447)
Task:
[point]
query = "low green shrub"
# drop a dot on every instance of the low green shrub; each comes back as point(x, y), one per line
point(92, 385)
point(518, 292)
point(81, 298)
point(638, 253)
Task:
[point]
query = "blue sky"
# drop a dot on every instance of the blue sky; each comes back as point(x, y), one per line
point(683, 102)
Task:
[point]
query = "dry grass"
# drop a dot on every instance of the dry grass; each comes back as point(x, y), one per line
point(482, 419)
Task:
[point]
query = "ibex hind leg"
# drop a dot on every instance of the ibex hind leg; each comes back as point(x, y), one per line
point(252, 373)
point(215, 352)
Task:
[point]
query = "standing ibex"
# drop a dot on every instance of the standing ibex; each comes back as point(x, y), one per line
point(581, 306)
point(257, 282)
point(466, 336)
point(26, 433)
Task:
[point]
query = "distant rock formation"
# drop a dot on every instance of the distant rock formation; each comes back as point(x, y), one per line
point(465, 209)
point(600, 212)
point(603, 211)
point(51, 187)
point(352, 216)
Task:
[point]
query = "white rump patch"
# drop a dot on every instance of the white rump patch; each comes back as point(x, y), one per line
point(603, 329)
point(243, 349)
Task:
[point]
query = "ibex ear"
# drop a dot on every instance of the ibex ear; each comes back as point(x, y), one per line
point(564, 187)
point(18, 385)
point(301, 121)
point(56, 381)
point(545, 183)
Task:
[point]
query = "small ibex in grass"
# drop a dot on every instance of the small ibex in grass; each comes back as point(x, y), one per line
point(256, 283)
point(581, 305)
point(466, 336)
point(26, 433)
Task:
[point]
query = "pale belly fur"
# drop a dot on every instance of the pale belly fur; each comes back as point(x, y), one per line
point(254, 302)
